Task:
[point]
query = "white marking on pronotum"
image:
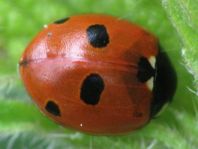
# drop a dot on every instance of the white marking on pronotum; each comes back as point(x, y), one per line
point(81, 124)
point(152, 61)
point(149, 83)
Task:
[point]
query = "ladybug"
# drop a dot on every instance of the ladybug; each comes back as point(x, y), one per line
point(97, 74)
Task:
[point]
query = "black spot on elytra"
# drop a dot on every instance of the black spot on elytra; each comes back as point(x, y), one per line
point(145, 70)
point(91, 89)
point(61, 21)
point(52, 108)
point(98, 36)
point(165, 82)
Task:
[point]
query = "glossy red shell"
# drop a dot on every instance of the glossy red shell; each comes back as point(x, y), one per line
point(60, 57)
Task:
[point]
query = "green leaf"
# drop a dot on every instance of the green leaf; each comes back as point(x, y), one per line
point(20, 115)
point(183, 15)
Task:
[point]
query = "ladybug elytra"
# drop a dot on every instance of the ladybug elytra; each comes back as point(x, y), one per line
point(97, 74)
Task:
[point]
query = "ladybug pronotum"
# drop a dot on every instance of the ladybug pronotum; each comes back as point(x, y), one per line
point(97, 74)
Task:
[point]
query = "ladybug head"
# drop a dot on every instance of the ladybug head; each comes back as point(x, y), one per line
point(164, 83)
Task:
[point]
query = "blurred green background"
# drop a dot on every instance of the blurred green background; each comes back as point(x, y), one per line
point(174, 22)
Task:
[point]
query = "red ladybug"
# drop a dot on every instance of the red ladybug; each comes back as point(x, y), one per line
point(97, 74)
